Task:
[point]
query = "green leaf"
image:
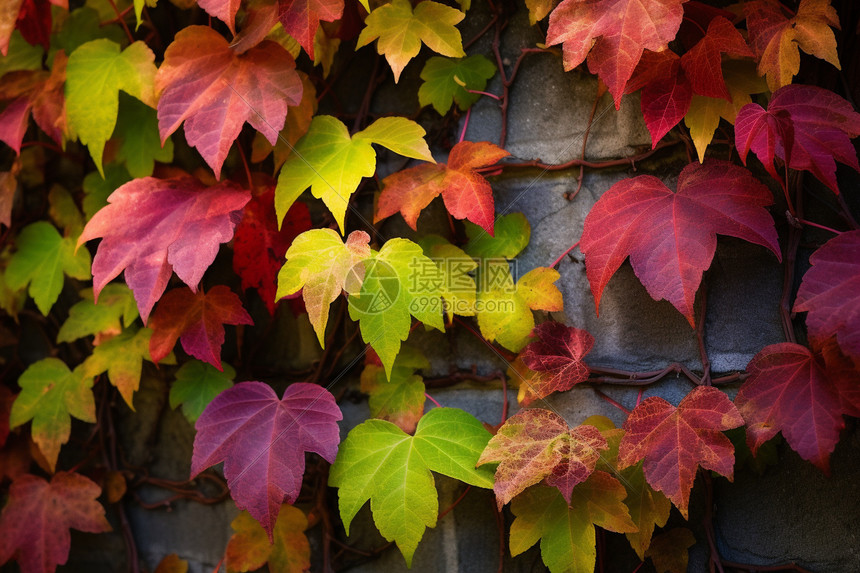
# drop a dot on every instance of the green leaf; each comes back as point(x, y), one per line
point(401, 29)
point(400, 400)
point(379, 462)
point(21, 55)
point(122, 358)
point(198, 383)
point(566, 533)
point(399, 282)
point(321, 265)
point(512, 233)
point(95, 74)
point(447, 80)
point(138, 9)
point(97, 189)
point(81, 26)
point(332, 163)
point(116, 308)
point(140, 144)
point(42, 258)
point(458, 288)
point(50, 395)
point(64, 211)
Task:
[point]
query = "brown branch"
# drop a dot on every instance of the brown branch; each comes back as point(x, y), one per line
point(537, 163)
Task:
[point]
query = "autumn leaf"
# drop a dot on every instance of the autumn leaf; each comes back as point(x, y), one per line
point(122, 358)
point(777, 39)
point(262, 441)
point(559, 353)
point(379, 462)
point(50, 395)
point(116, 310)
point(399, 283)
point(512, 234)
point(466, 193)
point(224, 10)
point(809, 126)
point(671, 236)
point(703, 62)
point(319, 264)
point(449, 80)
point(8, 187)
point(172, 563)
point(259, 247)
point(332, 163)
point(197, 320)
point(830, 292)
point(249, 547)
point(400, 398)
point(215, 91)
point(789, 391)
point(35, 523)
point(297, 125)
point(674, 442)
point(301, 19)
point(669, 550)
point(401, 30)
point(197, 384)
point(155, 226)
point(37, 93)
point(95, 74)
point(566, 530)
point(43, 257)
point(537, 444)
point(613, 35)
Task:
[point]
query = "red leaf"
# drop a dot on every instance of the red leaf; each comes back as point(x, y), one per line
point(259, 247)
point(666, 92)
point(812, 126)
point(34, 526)
point(613, 34)
point(466, 193)
point(34, 22)
point(558, 354)
point(198, 320)
point(788, 391)
point(215, 91)
point(675, 441)
point(537, 444)
point(152, 227)
point(262, 441)
point(301, 18)
point(671, 237)
point(224, 10)
point(703, 63)
point(830, 292)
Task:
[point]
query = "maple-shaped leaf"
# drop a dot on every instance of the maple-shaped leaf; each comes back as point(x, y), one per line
point(122, 358)
point(674, 442)
point(83, 25)
point(790, 391)
point(171, 562)
point(35, 523)
point(670, 236)
point(138, 142)
point(32, 18)
point(512, 234)
point(830, 292)
point(703, 117)
point(466, 193)
point(537, 444)
point(215, 91)
point(458, 288)
point(332, 163)
point(400, 398)
point(703, 62)
point(777, 39)
point(197, 384)
point(197, 320)
point(379, 462)
point(50, 395)
point(224, 10)
point(669, 550)
point(36, 92)
point(21, 55)
point(401, 30)
point(259, 246)
point(613, 35)
point(807, 126)
point(538, 9)
point(97, 189)
point(297, 125)
point(559, 353)
point(301, 19)
point(95, 74)
point(449, 80)
point(43, 257)
point(319, 264)
point(249, 547)
point(400, 282)
point(262, 441)
point(666, 97)
point(64, 211)
point(566, 530)
point(115, 310)
point(505, 309)
point(153, 227)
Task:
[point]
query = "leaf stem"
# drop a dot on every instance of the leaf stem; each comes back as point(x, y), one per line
point(611, 401)
point(429, 397)
point(564, 254)
point(817, 226)
point(121, 20)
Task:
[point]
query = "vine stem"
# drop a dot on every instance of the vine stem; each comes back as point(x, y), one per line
point(817, 226)
point(454, 504)
point(465, 127)
point(611, 401)
point(121, 20)
point(601, 89)
point(631, 160)
point(429, 397)
point(564, 254)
